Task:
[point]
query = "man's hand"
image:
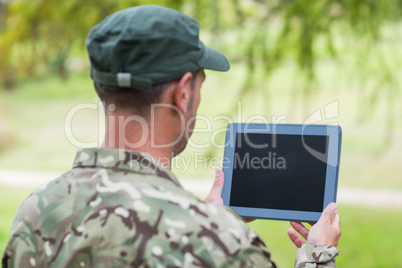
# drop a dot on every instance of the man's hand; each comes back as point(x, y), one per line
point(214, 196)
point(326, 231)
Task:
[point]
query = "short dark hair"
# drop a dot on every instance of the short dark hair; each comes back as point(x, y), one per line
point(139, 101)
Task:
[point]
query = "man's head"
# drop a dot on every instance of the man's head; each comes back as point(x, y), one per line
point(136, 101)
point(150, 55)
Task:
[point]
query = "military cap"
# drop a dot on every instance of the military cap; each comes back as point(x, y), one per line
point(146, 45)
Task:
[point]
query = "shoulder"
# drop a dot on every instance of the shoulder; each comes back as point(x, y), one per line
point(130, 218)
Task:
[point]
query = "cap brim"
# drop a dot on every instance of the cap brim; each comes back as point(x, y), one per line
point(213, 59)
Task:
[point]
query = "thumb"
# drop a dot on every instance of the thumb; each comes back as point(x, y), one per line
point(329, 212)
point(214, 195)
point(216, 189)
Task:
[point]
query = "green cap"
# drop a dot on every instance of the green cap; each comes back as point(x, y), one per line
point(146, 45)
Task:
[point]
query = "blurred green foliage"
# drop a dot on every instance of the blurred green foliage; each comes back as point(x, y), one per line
point(39, 37)
point(45, 31)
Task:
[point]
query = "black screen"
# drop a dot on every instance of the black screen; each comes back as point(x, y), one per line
point(282, 175)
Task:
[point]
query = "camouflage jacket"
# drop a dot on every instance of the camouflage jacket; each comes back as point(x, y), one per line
point(124, 209)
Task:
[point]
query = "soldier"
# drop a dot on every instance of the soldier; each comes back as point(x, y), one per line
point(120, 205)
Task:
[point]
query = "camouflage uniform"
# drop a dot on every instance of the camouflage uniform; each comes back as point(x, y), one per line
point(123, 209)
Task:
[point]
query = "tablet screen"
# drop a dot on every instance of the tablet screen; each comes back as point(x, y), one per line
point(278, 172)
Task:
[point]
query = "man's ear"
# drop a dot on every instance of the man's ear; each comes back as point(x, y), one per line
point(182, 92)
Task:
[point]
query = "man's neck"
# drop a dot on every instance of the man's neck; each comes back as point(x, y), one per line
point(133, 136)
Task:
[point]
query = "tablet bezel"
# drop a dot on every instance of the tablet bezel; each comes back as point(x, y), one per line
point(331, 184)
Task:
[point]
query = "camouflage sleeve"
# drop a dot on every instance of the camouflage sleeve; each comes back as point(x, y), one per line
point(254, 252)
point(311, 256)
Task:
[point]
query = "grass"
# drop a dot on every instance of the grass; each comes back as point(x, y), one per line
point(370, 237)
point(36, 115)
point(10, 200)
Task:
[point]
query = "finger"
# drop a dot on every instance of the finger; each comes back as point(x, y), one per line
point(329, 212)
point(336, 224)
point(296, 239)
point(337, 221)
point(312, 223)
point(303, 231)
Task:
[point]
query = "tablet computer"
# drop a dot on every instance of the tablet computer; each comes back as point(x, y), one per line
point(281, 171)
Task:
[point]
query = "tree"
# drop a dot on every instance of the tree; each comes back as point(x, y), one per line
point(37, 37)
